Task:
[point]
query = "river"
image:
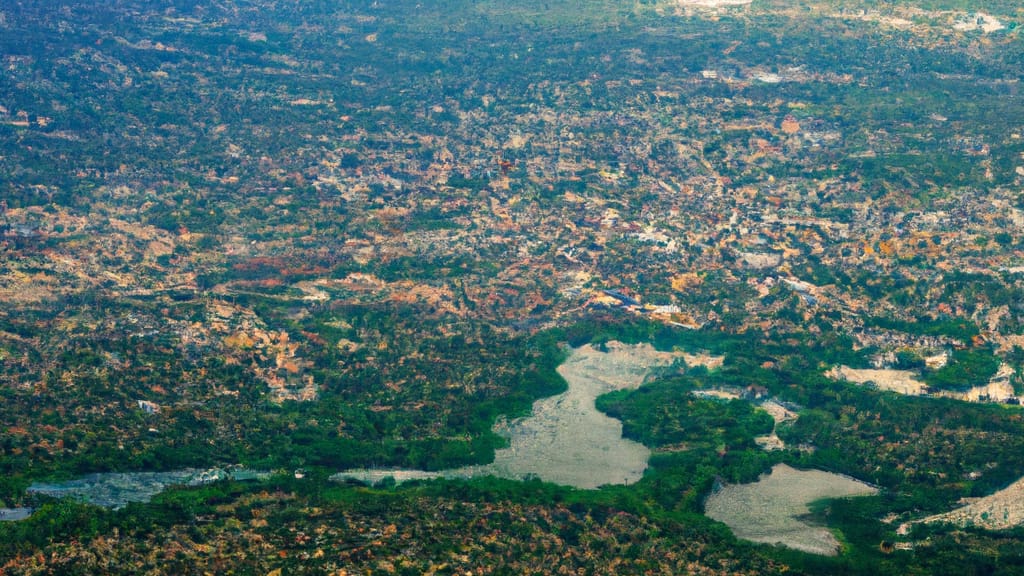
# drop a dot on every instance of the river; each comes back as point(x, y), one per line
point(565, 439)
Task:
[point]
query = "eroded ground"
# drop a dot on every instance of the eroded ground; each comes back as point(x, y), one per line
point(769, 510)
point(999, 511)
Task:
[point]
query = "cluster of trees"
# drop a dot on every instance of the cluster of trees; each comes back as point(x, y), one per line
point(667, 413)
point(925, 453)
point(415, 393)
point(965, 369)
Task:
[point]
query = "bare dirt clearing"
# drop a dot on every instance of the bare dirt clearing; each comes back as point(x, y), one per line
point(779, 413)
point(999, 511)
point(902, 381)
point(769, 510)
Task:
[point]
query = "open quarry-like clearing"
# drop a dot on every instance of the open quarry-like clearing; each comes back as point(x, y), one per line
point(998, 389)
point(770, 510)
point(902, 381)
point(1000, 511)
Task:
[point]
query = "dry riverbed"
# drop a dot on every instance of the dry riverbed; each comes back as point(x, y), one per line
point(566, 440)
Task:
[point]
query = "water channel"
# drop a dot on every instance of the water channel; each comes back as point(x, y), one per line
point(565, 439)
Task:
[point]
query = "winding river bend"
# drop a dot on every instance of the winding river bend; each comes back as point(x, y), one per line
point(565, 439)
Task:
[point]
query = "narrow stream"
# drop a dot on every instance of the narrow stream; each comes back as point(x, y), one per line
point(565, 440)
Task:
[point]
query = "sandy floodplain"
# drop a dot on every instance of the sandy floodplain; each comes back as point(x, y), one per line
point(565, 439)
point(770, 510)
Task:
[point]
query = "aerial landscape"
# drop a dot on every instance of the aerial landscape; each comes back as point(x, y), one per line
point(533, 287)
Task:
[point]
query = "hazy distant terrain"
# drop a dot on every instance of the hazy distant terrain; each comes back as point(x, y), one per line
point(307, 237)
